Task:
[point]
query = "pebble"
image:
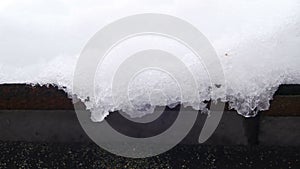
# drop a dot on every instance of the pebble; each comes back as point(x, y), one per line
point(50, 155)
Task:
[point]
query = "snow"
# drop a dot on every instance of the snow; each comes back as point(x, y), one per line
point(257, 43)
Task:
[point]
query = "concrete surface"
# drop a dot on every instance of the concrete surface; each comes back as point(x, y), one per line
point(279, 131)
point(43, 126)
point(63, 126)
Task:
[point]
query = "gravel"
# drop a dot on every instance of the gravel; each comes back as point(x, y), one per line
point(76, 155)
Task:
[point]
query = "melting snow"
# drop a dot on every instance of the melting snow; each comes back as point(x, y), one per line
point(257, 43)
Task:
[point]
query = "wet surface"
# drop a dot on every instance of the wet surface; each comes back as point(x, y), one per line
point(286, 100)
point(48, 155)
point(27, 97)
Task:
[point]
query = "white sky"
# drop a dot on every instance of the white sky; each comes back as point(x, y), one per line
point(34, 31)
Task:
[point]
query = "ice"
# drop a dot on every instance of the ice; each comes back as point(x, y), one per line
point(257, 43)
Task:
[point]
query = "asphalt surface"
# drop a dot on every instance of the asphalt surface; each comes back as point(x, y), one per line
point(49, 155)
